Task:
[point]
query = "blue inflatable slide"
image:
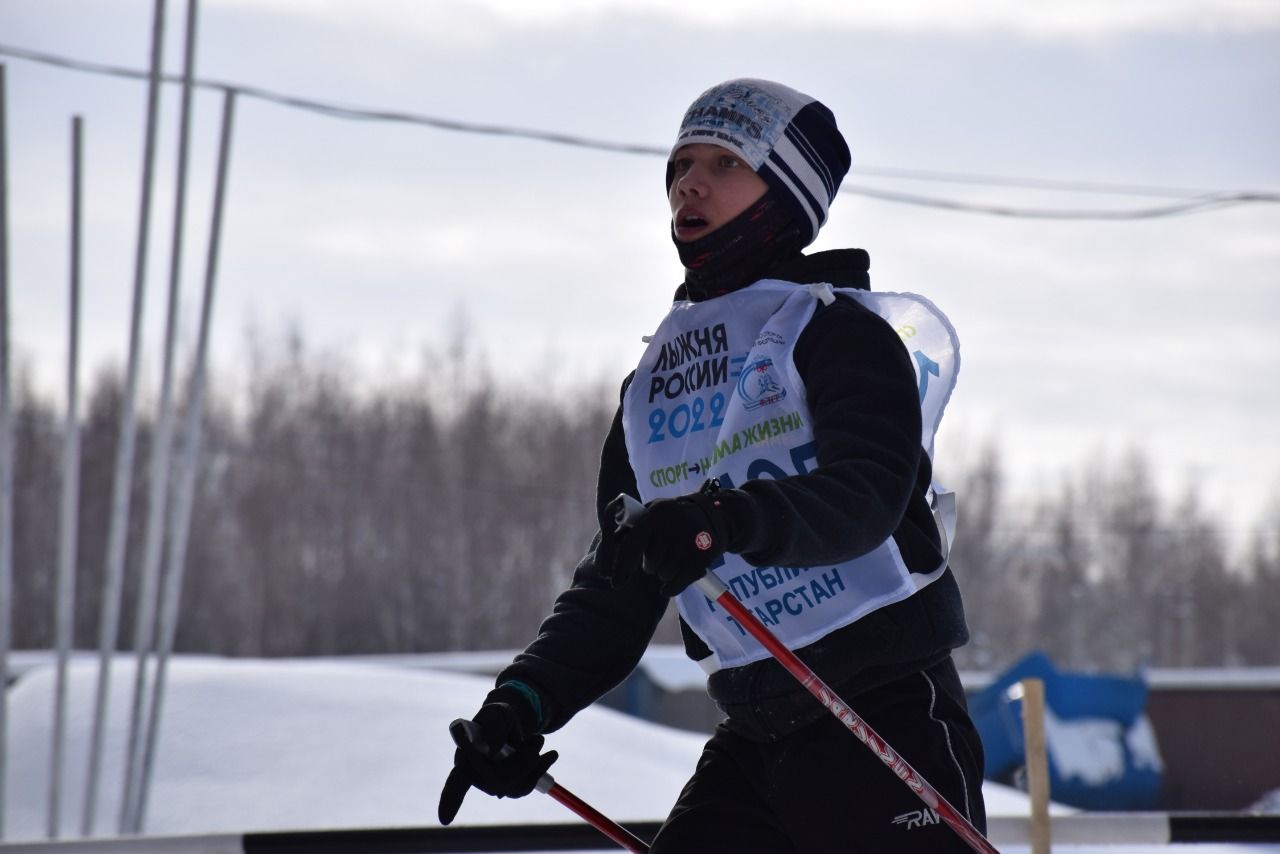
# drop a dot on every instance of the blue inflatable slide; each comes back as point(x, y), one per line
point(1102, 749)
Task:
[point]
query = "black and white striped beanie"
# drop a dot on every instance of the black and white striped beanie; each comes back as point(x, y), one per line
point(789, 138)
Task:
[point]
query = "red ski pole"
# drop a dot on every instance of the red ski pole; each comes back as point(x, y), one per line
point(628, 510)
point(715, 590)
point(592, 816)
point(466, 732)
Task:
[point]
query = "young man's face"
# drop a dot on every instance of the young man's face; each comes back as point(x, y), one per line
point(709, 187)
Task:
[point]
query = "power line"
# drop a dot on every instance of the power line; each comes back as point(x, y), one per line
point(1187, 200)
point(1198, 204)
point(335, 110)
point(1106, 188)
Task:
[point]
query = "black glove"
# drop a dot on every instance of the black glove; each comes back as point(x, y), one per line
point(499, 752)
point(676, 539)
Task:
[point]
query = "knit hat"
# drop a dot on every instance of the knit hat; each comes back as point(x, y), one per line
point(788, 138)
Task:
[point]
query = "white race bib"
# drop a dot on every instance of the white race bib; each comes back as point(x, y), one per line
point(716, 394)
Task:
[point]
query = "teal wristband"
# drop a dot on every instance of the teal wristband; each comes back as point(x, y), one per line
point(529, 694)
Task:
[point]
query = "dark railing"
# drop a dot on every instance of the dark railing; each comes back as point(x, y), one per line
point(529, 837)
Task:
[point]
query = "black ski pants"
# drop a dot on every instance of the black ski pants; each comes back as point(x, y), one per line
point(822, 790)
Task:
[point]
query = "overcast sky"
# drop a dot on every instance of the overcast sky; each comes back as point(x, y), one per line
point(378, 240)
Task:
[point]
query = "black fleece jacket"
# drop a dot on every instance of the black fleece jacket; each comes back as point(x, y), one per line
point(870, 483)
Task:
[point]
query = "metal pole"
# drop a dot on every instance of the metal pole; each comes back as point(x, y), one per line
point(180, 524)
point(6, 456)
point(117, 534)
point(64, 621)
point(161, 451)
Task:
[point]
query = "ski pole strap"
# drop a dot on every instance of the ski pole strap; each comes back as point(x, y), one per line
point(716, 590)
point(616, 832)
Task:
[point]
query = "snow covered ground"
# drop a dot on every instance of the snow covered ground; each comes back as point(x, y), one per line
point(258, 745)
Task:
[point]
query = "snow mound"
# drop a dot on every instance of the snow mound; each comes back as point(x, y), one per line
point(260, 745)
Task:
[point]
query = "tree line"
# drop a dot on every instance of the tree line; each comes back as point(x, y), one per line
point(446, 512)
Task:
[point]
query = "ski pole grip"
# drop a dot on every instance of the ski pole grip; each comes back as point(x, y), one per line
point(626, 511)
point(467, 733)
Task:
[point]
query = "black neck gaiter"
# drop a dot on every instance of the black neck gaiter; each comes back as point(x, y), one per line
point(741, 251)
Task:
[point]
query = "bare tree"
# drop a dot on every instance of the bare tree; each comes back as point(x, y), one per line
point(446, 512)
point(36, 484)
point(995, 582)
point(1059, 558)
point(1251, 636)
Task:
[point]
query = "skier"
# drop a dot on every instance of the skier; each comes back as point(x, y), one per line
point(777, 379)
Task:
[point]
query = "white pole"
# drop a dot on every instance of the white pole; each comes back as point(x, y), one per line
point(180, 525)
point(117, 534)
point(161, 452)
point(64, 621)
point(6, 457)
